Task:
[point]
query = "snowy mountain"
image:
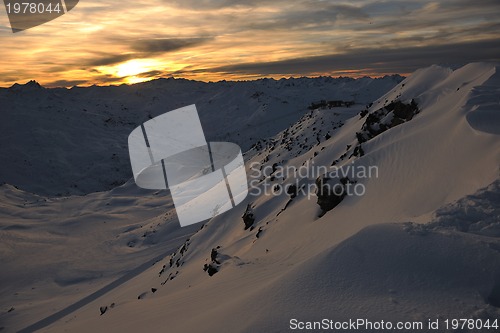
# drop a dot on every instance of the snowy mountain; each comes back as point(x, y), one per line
point(74, 141)
point(412, 237)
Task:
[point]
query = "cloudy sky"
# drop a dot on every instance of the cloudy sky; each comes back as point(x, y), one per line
point(120, 41)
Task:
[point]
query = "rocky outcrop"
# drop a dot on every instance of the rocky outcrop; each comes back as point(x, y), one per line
point(393, 114)
point(330, 192)
point(248, 217)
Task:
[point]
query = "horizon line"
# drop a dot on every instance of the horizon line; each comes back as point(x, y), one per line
point(354, 77)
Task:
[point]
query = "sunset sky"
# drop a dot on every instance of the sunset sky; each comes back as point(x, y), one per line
point(119, 41)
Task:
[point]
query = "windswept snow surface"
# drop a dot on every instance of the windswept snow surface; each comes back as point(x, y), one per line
point(421, 243)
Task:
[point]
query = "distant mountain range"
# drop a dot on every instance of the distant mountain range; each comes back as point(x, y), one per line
point(73, 141)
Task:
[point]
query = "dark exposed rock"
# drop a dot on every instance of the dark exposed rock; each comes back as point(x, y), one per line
point(374, 124)
point(358, 151)
point(248, 217)
point(330, 193)
point(103, 309)
point(275, 167)
point(162, 270)
point(404, 111)
point(292, 191)
point(213, 256)
point(210, 269)
point(183, 248)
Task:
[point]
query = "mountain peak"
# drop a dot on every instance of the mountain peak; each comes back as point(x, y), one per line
point(30, 85)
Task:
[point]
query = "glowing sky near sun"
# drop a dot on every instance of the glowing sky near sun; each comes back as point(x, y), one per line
point(112, 41)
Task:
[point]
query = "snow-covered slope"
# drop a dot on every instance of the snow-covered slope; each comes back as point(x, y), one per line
point(58, 142)
point(420, 243)
point(55, 251)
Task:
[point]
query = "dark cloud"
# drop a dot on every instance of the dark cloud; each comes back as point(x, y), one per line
point(11, 79)
point(445, 15)
point(150, 74)
point(446, 35)
point(163, 45)
point(144, 48)
point(108, 78)
point(398, 60)
point(391, 7)
point(287, 15)
point(102, 78)
point(470, 4)
point(284, 15)
point(217, 4)
point(339, 10)
point(111, 59)
point(64, 83)
point(307, 15)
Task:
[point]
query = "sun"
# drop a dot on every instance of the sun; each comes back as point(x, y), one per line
point(134, 71)
point(135, 67)
point(140, 70)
